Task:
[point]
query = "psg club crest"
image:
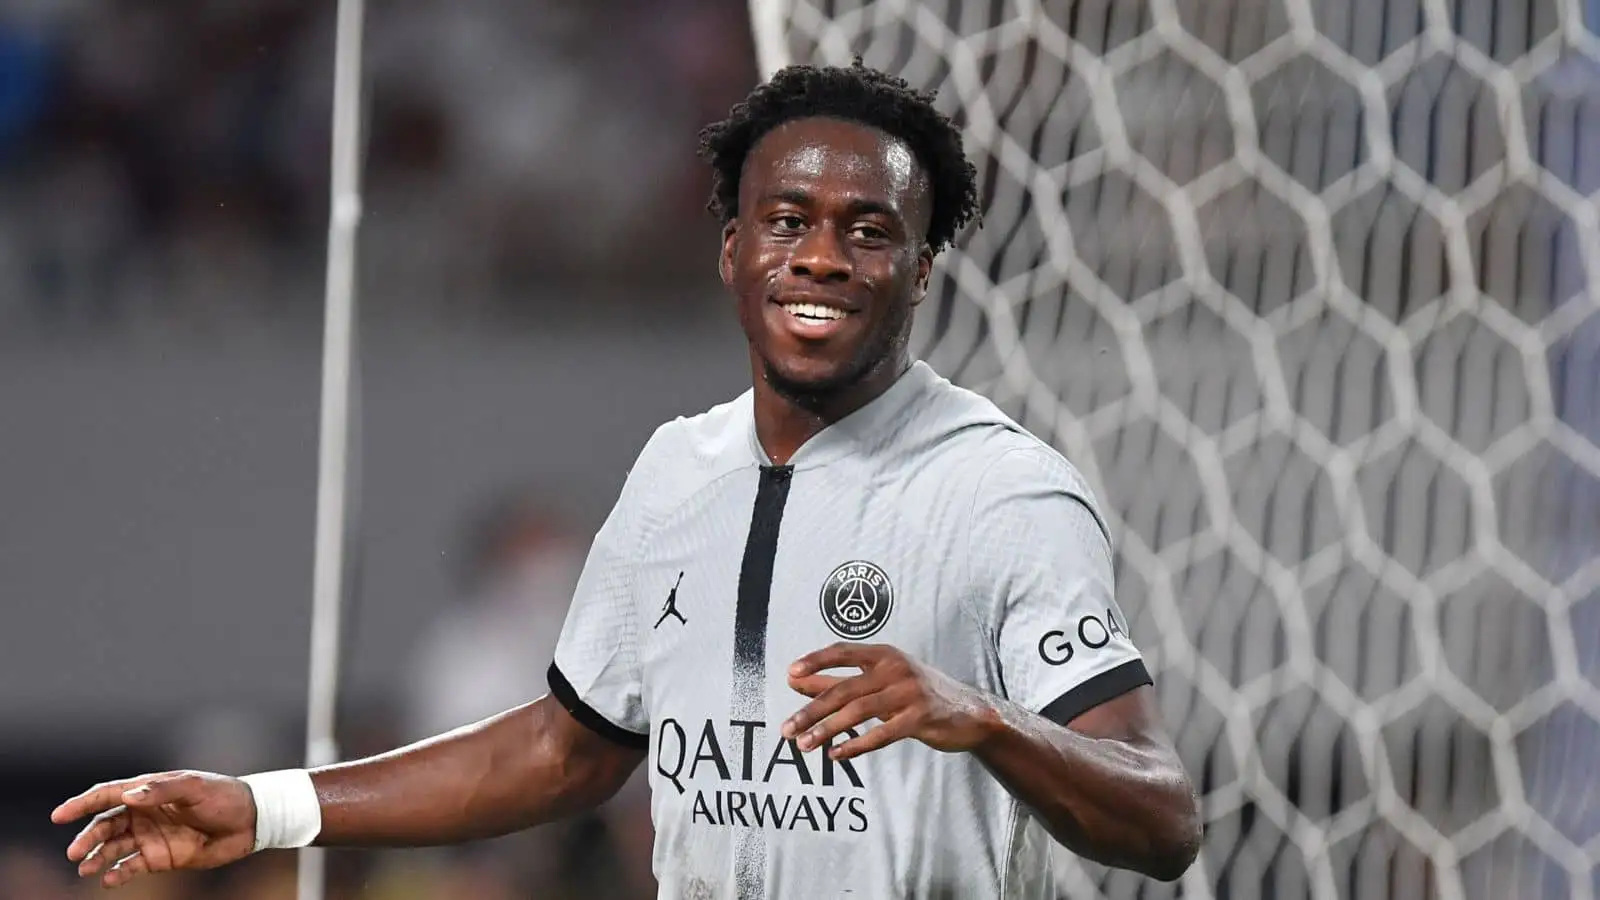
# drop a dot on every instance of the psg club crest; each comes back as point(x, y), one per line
point(856, 600)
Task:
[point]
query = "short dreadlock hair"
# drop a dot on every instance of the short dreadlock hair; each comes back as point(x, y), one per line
point(855, 94)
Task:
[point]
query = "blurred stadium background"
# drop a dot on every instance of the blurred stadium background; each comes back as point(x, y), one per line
point(1309, 289)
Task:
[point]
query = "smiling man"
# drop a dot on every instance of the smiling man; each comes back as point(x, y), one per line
point(861, 625)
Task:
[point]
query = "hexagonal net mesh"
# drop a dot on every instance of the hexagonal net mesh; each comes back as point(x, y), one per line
point(1308, 290)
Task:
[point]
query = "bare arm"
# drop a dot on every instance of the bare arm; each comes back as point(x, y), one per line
point(1109, 786)
point(530, 765)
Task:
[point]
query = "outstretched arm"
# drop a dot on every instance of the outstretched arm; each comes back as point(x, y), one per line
point(530, 765)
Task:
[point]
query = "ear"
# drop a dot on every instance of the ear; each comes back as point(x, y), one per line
point(725, 258)
point(919, 293)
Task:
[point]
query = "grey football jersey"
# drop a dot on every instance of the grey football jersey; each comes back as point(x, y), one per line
point(927, 520)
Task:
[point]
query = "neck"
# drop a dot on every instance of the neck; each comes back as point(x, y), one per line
point(785, 422)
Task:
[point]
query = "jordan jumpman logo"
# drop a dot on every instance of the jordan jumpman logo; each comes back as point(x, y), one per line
point(671, 606)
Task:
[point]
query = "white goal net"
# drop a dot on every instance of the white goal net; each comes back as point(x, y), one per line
point(1310, 290)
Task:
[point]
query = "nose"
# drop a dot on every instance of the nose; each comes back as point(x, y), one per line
point(820, 257)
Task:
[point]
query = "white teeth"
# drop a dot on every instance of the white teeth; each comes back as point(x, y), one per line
point(813, 311)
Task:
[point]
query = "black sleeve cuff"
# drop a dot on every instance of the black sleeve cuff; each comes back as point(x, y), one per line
point(1108, 685)
point(562, 690)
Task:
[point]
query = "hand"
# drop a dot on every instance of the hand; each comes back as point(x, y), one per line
point(912, 701)
point(159, 823)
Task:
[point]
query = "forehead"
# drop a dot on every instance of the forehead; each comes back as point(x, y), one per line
point(834, 155)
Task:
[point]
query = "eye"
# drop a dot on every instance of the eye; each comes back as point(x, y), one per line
point(870, 233)
point(787, 222)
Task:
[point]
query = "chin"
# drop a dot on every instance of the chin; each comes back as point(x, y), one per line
point(802, 380)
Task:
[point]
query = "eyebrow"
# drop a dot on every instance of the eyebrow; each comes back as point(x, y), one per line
point(858, 207)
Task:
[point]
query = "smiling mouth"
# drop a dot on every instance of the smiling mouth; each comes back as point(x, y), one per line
point(814, 312)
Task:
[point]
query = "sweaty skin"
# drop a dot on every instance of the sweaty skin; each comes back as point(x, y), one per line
point(832, 212)
point(832, 217)
point(529, 765)
point(836, 210)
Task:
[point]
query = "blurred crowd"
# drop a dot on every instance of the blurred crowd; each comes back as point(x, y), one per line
point(167, 163)
point(171, 159)
point(486, 651)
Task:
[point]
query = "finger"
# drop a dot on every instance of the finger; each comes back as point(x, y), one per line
point(178, 787)
point(838, 655)
point(100, 829)
point(155, 852)
point(812, 685)
point(105, 855)
point(101, 797)
point(829, 702)
point(126, 869)
point(873, 706)
point(874, 739)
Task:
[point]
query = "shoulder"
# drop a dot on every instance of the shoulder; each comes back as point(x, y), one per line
point(986, 446)
point(979, 455)
point(687, 452)
point(1011, 473)
point(1020, 461)
point(720, 433)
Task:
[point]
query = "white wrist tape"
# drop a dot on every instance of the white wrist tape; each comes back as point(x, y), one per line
point(288, 814)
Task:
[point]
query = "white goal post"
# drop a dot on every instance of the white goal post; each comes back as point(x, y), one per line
point(1310, 291)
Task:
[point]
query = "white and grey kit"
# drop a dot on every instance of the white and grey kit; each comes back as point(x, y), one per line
point(927, 520)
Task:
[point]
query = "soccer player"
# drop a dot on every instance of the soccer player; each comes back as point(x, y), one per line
point(860, 624)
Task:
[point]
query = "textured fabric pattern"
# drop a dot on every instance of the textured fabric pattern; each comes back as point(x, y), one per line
point(1042, 552)
point(928, 521)
point(598, 648)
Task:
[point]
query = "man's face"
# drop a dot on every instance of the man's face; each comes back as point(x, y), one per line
point(828, 253)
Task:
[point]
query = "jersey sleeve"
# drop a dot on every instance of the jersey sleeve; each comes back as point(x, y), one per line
point(1040, 553)
point(596, 673)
